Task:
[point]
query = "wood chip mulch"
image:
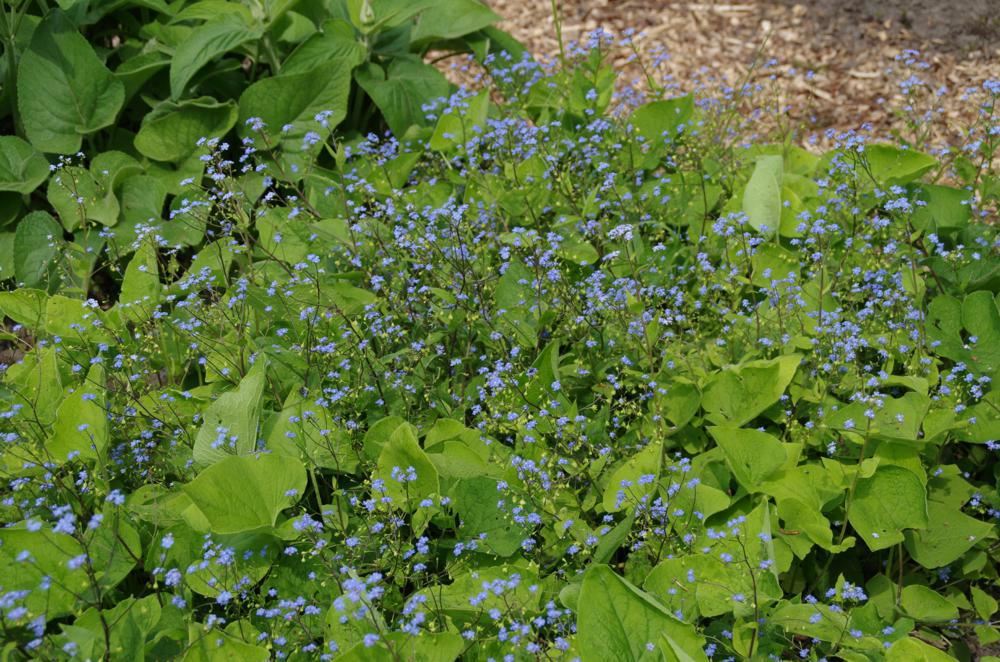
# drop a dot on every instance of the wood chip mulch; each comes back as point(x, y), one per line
point(834, 62)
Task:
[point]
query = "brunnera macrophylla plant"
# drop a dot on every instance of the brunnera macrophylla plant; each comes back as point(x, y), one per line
point(569, 374)
point(135, 83)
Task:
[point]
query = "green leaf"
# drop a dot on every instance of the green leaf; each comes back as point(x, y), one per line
point(927, 605)
point(7, 255)
point(891, 500)
point(337, 41)
point(914, 650)
point(427, 647)
point(39, 385)
point(171, 130)
point(950, 533)
point(214, 646)
point(680, 402)
point(75, 320)
point(810, 522)
point(893, 165)
point(142, 198)
point(204, 44)
point(136, 71)
point(378, 435)
point(305, 430)
point(22, 167)
point(230, 425)
point(63, 90)
point(387, 13)
point(811, 620)
point(25, 306)
point(296, 99)
point(660, 123)
point(625, 490)
point(129, 622)
point(459, 124)
point(714, 586)
point(81, 426)
point(36, 243)
point(762, 196)
point(752, 455)
point(985, 604)
point(897, 418)
point(453, 599)
point(981, 318)
point(46, 555)
point(945, 209)
point(401, 454)
point(616, 621)
point(476, 500)
point(516, 302)
point(401, 91)
point(245, 494)
point(450, 19)
point(79, 195)
point(338, 293)
point(737, 395)
point(141, 291)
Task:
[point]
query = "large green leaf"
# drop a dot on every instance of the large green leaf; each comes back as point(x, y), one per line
point(385, 14)
point(635, 480)
point(477, 500)
point(399, 460)
point(427, 647)
point(944, 208)
point(909, 649)
point(811, 523)
point(79, 195)
point(762, 196)
point(204, 44)
point(306, 430)
point(753, 456)
point(37, 382)
point(981, 318)
point(461, 124)
point(337, 41)
point(28, 557)
point(894, 165)
point(25, 306)
point(891, 500)
point(737, 395)
point(63, 90)
point(230, 425)
point(36, 243)
point(141, 290)
point(22, 167)
point(245, 494)
point(659, 124)
point(925, 604)
point(617, 621)
point(516, 302)
point(401, 91)
point(950, 533)
point(214, 646)
point(81, 426)
point(295, 100)
point(171, 130)
point(449, 19)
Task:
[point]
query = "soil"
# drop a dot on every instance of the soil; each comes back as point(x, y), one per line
point(832, 55)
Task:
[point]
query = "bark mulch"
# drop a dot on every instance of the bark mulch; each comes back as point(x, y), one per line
point(832, 59)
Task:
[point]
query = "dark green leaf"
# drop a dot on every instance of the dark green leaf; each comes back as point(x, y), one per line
point(64, 91)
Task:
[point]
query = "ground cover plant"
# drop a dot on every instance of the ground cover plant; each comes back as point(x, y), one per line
point(137, 83)
point(554, 370)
